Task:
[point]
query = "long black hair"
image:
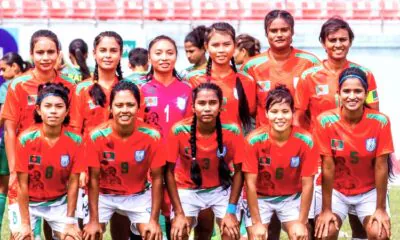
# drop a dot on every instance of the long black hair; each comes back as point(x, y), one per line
point(244, 112)
point(223, 168)
point(13, 57)
point(96, 92)
point(79, 49)
point(46, 34)
point(52, 89)
point(150, 74)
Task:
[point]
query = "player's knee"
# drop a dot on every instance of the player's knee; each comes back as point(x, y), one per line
point(373, 232)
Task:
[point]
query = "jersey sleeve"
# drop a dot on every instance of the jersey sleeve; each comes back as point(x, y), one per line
point(77, 111)
point(385, 141)
point(310, 164)
point(322, 142)
point(372, 96)
point(189, 103)
point(92, 153)
point(3, 92)
point(22, 158)
point(239, 154)
point(302, 95)
point(250, 89)
point(173, 147)
point(12, 107)
point(157, 154)
point(250, 163)
point(79, 164)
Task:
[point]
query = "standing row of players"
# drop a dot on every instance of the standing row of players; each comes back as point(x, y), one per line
point(279, 159)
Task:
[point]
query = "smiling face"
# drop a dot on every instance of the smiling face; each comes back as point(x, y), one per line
point(52, 110)
point(280, 116)
point(352, 94)
point(107, 54)
point(220, 47)
point(337, 44)
point(279, 34)
point(163, 56)
point(206, 106)
point(44, 54)
point(124, 108)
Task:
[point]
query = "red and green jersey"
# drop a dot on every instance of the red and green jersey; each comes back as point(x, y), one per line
point(179, 152)
point(230, 109)
point(354, 148)
point(74, 73)
point(49, 166)
point(21, 98)
point(85, 114)
point(317, 90)
point(268, 74)
point(124, 162)
point(280, 167)
point(138, 78)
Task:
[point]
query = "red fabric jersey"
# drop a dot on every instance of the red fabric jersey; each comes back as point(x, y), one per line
point(179, 152)
point(280, 168)
point(124, 163)
point(354, 149)
point(268, 74)
point(49, 167)
point(230, 110)
point(317, 90)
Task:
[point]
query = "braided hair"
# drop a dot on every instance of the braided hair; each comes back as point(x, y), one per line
point(223, 168)
point(96, 92)
point(243, 106)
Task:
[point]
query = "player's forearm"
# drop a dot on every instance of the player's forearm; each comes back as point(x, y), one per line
point(10, 138)
point(306, 198)
point(237, 184)
point(23, 197)
point(156, 192)
point(381, 181)
point(328, 176)
point(172, 189)
point(94, 194)
point(72, 194)
point(252, 200)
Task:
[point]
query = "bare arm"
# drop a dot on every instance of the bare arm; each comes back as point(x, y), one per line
point(237, 184)
point(94, 194)
point(10, 138)
point(381, 180)
point(72, 194)
point(23, 197)
point(328, 176)
point(156, 192)
point(251, 179)
point(306, 198)
point(172, 189)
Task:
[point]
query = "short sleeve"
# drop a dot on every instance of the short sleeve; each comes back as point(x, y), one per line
point(12, 109)
point(92, 153)
point(321, 135)
point(157, 154)
point(250, 162)
point(385, 141)
point(372, 96)
point(239, 154)
point(302, 95)
point(79, 159)
point(3, 92)
point(310, 164)
point(173, 147)
point(22, 157)
point(250, 89)
point(77, 111)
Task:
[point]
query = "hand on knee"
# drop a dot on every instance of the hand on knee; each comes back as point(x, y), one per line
point(375, 232)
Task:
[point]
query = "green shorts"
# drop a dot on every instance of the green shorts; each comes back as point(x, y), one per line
point(4, 170)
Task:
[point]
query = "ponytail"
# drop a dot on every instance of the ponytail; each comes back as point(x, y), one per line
point(96, 92)
point(81, 61)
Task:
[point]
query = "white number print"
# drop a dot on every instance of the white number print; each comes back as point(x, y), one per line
point(166, 111)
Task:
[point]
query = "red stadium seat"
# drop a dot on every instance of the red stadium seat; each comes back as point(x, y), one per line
point(365, 9)
point(390, 9)
point(313, 9)
point(9, 9)
point(234, 10)
point(294, 7)
point(133, 9)
point(341, 8)
point(208, 9)
point(257, 9)
point(182, 10)
point(33, 9)
point(83, 9)
point(106, 9)
point(58, 9)
point(159, 10)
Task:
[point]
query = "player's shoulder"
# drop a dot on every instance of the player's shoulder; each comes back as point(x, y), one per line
point(306, 56)
point(255, 61)
point(366, 70)
point(303, 135)
point(329, 117)
point(258, 135)
point(182, 127)
point(376, 117)
point(73, 136)
point(231, 128)
point(101, 131)
point(21, 80)
point(195, 74)
point(148, 131)
point(312, 71)
point(83, 85)
point(29, 135)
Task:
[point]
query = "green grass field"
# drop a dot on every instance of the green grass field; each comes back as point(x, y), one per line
point(394, 198)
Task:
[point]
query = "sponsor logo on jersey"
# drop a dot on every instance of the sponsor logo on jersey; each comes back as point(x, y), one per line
point(139, 155)
point(181, 103)
point(109, 156)
point(235, 94)
point(337, 144)
point(32, 100)
point(34, 159)
point(223, 153)
point(370, 144)
point(264, 86)
point(295, 162)
point(64, 160)
point(322, 89)
point(151, 101)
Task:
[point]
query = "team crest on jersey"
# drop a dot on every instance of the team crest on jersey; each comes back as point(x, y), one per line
point(181, 103)
point(223, 153)
point(235, 94)
point(265, 86)
point(337, 144)
point(295, 162)
point(109, 156)
point(32, 100)
point(322, 89)
point(64, 160)
point(34, 159)
point(370, 144)
point(139, 155)
point(151, 101)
